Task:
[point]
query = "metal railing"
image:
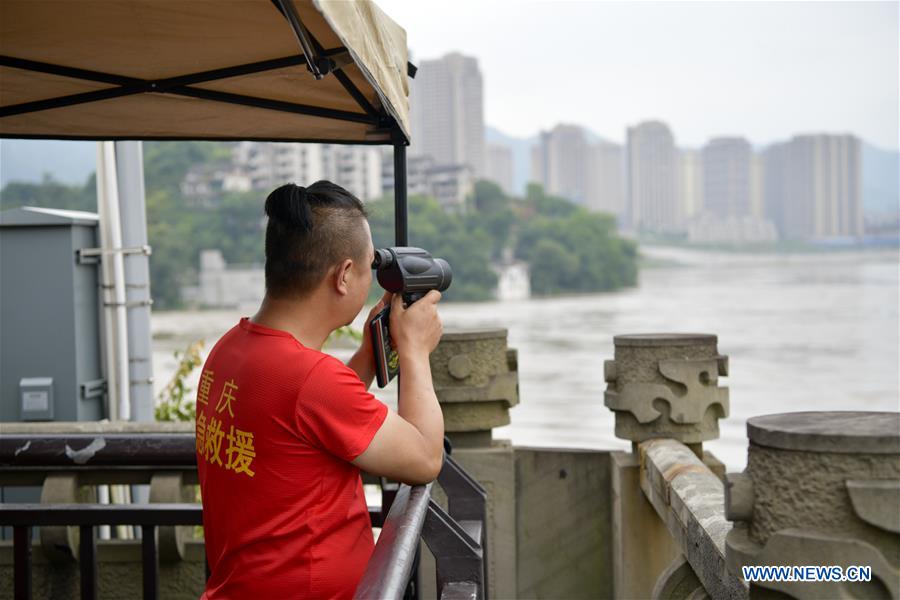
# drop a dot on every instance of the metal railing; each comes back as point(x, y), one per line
point(456, 537)
point(22, 517)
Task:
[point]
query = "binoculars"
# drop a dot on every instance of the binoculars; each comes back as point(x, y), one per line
point(411, 272)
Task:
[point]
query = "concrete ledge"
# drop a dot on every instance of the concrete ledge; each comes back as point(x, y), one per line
point(690, 500)
point(63, 427)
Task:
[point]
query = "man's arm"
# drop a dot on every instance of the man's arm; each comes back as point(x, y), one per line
point(409, 446)
point(363, 362)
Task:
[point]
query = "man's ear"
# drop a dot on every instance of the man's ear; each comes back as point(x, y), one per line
point(342, 274)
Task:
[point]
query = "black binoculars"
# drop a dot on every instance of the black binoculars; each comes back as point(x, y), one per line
point(411, 272)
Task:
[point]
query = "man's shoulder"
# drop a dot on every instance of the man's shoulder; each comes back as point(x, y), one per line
point(276, 355)
point(327, 367)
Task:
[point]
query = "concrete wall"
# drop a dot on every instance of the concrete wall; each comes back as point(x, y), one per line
point(563, 524)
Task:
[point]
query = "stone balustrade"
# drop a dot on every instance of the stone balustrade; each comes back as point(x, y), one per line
point(820, 489)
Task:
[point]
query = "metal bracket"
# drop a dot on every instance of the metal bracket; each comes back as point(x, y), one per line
point(459, 558)
point(130, 304)
point(92, 389)
point(93, 256)
point(465, 496)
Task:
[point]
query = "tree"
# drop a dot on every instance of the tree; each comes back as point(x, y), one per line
point(50, 193)
point(553, 268)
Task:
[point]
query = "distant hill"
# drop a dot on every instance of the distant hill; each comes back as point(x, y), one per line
point(881, 181)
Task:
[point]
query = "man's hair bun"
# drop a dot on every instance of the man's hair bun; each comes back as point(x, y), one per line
point(289, 205)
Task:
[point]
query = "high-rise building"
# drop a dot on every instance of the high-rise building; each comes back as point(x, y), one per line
point(559, 162)
point(499, 167)
point(605, 174)
point(813, 186)
point(652, 179)
point(567, 164)
point(447, 112)
point(756, 186)
point(727, 180)
point(690, 182)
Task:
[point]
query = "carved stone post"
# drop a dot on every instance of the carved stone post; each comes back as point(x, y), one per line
point(477, 381)
point(820, 489)
point(662, 385)
point(666, 385)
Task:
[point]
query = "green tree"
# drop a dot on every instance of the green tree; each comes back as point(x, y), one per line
point(553, 268)
point(50, 193)
point(604, 260)
point(492, 211)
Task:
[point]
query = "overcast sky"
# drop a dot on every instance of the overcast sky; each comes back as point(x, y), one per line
point(764, 70)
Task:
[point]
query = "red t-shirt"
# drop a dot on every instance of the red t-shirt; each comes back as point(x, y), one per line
point(284, 513)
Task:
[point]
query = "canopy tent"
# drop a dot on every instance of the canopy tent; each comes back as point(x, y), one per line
point(274, 70)
point(303, 70)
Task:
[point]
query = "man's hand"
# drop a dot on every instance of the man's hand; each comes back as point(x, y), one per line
point(363, 361)
point(367, 330)
point(416, 329)
point(409, 446)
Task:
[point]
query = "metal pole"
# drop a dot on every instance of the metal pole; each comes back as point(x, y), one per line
point(400, 228)
point(113, 283)
point(133, 215)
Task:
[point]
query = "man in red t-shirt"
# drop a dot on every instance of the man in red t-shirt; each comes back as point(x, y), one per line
point(284, 429)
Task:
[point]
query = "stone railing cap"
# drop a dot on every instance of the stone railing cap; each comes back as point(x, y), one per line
point(664, 339)
point(464, 335)
point(843, 432)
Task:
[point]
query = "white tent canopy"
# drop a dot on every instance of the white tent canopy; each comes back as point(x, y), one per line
point(289, 70)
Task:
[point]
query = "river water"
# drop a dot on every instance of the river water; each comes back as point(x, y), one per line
point(814, 331)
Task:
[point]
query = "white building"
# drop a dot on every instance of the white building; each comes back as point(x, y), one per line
point(690, 182)
point(727, 177)
point(447, 112)
point(567, 164)
point(357, 169)
point(513, 280)
point(204, 181)
point(653, 202)
point(450, 185)
point(269, 165)
point(605, 174)
point(226, 286)
point(813, 187)
point(559, 162)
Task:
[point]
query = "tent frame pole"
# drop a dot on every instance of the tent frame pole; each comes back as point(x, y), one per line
point(400, 217)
